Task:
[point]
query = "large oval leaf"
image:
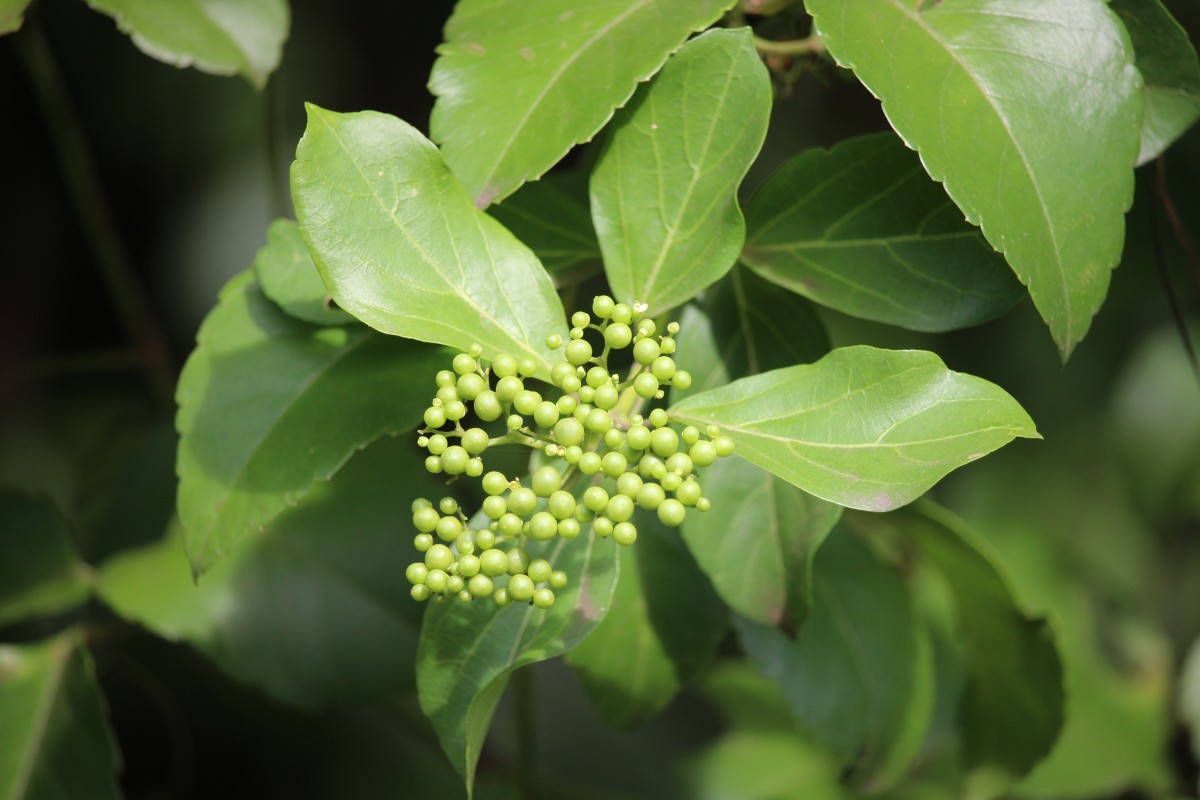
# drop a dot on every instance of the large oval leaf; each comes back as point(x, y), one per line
point(1028, 111)
point(467, 651)
point(664, 192)
point(269, 405)
point(243, 38)
point(861, 228)
point(551, 217)
point(1170, 73)
point(663, 628)
point(285, 272)
point(53, 724)
point(862, 427)
point(402, 247)
point(313, 611)
point(860, 676)
point(520, 82)
point(40, 573)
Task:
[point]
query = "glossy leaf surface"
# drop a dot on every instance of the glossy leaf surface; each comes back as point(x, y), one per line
point(313, 611)
point(1030, 114)
point(520, 82)
point(859, 676)
point(54, 725)
point(40, 572)
point(861, 228)
point(403, 248)
point(286, 274)
point(551, 217)
point(664, 192)
point(467, 651)
point(663, 628)
point(244, 38)
point(862, 427)
point(1170, 73)
point(269, 405)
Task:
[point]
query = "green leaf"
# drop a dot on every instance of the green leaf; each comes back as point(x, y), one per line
point(663, 627)
point(467, 651)
point(551, 217)
point(1170, 73)
point(12, 15)
point(860, 675)
point(1189, 695)
point(286, 274)
point(40, 574)
point(520, 82)
point(862, 427)
point(757, 541)
point(404, 249)
point(664, 192)
point(313, 611)
point(766, 765)
point(861, 228)
point(54, 725)
point(1028, 111)
point(244, 38)
point(269, 405)
point(1012, 707)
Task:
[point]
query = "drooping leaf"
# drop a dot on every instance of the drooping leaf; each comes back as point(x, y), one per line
point(404, 249)
point(862, 427)
point(40, 572)
point(1170, 73)
point(286, 274)
point(766, 765)
point(244, 38)
point(313, 611)
point(859, 677)
point(551, 216)
point(53, 723)
point(1012, 706)
point(861, 228)
point(467, 651)
point(1028, 111)
point(520, 82)
point(12, 15)
point(269, 405)
point(664, 192)
point(663, 627)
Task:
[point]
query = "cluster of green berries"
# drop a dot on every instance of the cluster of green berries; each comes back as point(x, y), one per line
point(590, 430)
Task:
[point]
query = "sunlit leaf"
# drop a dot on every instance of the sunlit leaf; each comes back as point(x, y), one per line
point(861, 228)
point(520, 82)
point(1030, 114)
point(404, 249)
point(12, 14)
point(664, 192)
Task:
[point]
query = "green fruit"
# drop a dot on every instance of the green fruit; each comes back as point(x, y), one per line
point(659, 418)
point(426, 519)
point(475, 440)
point(671, 512)
point(468, 565)
point(445, 378)
point(508, 387)
point(617, 335)
point(682, 380)
point(622, 313)
point(561, 504)
point(526, 401)
point(619, 508)
point(488, 406)
point(480, 586)
point(495, 483)
point(433, 464)
point(606, 397)
point(578, 352)
point(455, 459)
point(590, 463)
point(595, 498)
point(602, 526)
point(703, 453)
point(543, 526)
point(558, 579)
point(495, 506)
point(546, 481)
point(613, 464)
point(419, 593)
point(568, 528)
point(645, 351)
point(664, 442)
point(416, 573)
point(624, 533)
point(493, 562)
point(680, 463)
point(568, 432)
point(602, 306)
point(501, 597)
point(518, 561)
point(455, 410)
point(448, 505)
point(723, 446)
point(439, 557)
point(438, 444)
point(628, 484)
point(436, 581)
point(520, 588)
point(546, 414)
point(504, 366)
point(510, 524)
point(650, 496)
point(688, 493)
point(598, 421)
point(422, 541)
point(597, 377)
point(646, 385)
point(539, 570)
point(448, 528)
point(638, 437)
point(522, 501)
point(543, 597)
point(463, 364)
point(469, 386)
point(434, 417)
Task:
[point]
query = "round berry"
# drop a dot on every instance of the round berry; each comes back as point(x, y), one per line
point(663, 368)
point(470, 385)
point(602, 526)
point(561, 371)
point(501, 597)
point(561, 504)
point(437, 580)
point(546, 481)
point(504, 365)
point(671, 512)
point(455, 410)
point(455, 459)
point(494, 507)
point(606, 397)
point(480, 586)
point(455, 584)
point(703, 453)
point(590, 463)
point(448, 528)
point(671, 481)
point(566, 405)
point(628, 484)
point(510, 524)
point(598, 421)
point(439, 557)
point(468, 565)
point(445, 395)
point(546, 414)
point(568, 528)
point(433, 464)
point(659, 418)
point(688, 493)
point(602, 306)
point(682, 380)
point(619, 508)
point(434, 417)
point(645, 351)
point(515, 422)
point(465, 543)
point(425, 519)
point(495, 483)
point(681, 464)
point(522, 500)
point(624, 533)
point(723, 446)
point(650, 466)
point(422, 541)
point(539, 570)
point(664, 442)
point(617, 335)
point(445, 378)
point(419, 593)
point(558, 579)
point(667, 344)
point(543, 597)
point(568, 432)
point(613, 464)
point(597, 377)
point(448, 505)
point(572, 454)
point(554, 341)
point(703, 504)
point(638, 437)
point(543, 526)
point(578, 352)
point(508, 387)
point(526, 367)
point(493, 562)
point(586, 394)
point(463, 363)
point(520, 588)
point(571, 384)
point(646, 385)
point(485, 539)
point(475, 440)
point(488, 406)
point(595, 498)
point(613, 438)
point(650, 496)
point(690, 435)
point(526, 401)
point(622, 313)
point(518, 561)
point(416, 573)
point(474, 467)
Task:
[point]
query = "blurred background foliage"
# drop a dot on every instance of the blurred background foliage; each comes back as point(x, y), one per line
point(1098, 524)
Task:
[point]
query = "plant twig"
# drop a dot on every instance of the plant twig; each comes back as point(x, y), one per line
point(95, 216)
point(791, 47)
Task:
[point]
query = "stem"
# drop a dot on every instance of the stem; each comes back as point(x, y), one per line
point(95, 215)
point(525, 734)
point(271, 98)
point(792, 47)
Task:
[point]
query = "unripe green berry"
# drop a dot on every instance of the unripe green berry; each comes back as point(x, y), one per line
point(543, 526)
point(650, 496)
point(546, 414)
point(487, 406)
point(480, 586)
point(439, 557)
point(526, 367)
point(590, 463)
point(485, 539)
point(622, 313)
point(558, 579)
point(495, 483)
point(682, 380)
point(455, 584)
point(597, 377)
point(475, 440)
point(526, 401)
point(602, 526)
point(539, 570)
point(703, 504)
point(568, 432)
point(572, 454)
point(554, 341)
point(455, 410)
point(664, 442)
point(437, 580)
point(663, 368)
point(571, 384)
point(455, 459)
point(577, 333)
point(578, 352)
point(649, 466)
point(595, 498)
point(495, 507)
point(580, 319)
point(566, 404)
point(470, 385)
point(617, 335)
point(515, 422)
point(606, 397)
point(624, 533)
point(501, 597)
point(561, 371)
point(646, 385)
point(445, 378)
point(522, 500)
point(613, 438)
point(463, 364)
point(420, 503)
point(659, 418)
point(510, 524)
point(586, 394)
point(426, 519)
point(518, 561)
point(688, 493)
point(671, 481)
point(680, 463)
point(667, 344)
point(493, 562)
point(468, 565)
point(671, 512)
point(520, 588)
point(602, 306)
point(619, 508)
point(419, 593)
point(645, 351)
point(561, 504)
point(723, 446)
point(546, 481)
point(433, 464)
point(508, 387)
point(598, 421)
point(448, 505)
point(568, 528)
point(690, 435)
point(504, 365)
point(465, 543)
point(543, 597)
point(448, 528)
point(628, 484)
point(434, 417)
point(703, 453)
point(422, 541)
point(638, 437)
point(416, 573)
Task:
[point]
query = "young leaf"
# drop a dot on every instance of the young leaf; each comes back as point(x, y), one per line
point(862, 427)
point(467, 651)
point(1012, 707)
point(404, 249)
point(520, 82)
point(766, 765)
point(12, 15)
point(1170, 73)
point(664, 192)
point(663, 627)
point(861, 228)
point(269, 405)
point(286, 274)
point(244, 38)
point(313, 611)
point(39, 571)
point(551, 217)
point(53, 724)
point(1003, 98)
point(757, 542)
point(860, 675)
